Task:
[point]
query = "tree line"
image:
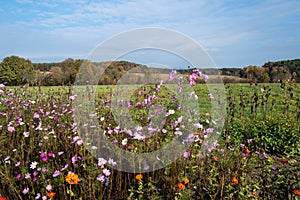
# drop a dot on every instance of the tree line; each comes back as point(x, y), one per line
point(15, 70)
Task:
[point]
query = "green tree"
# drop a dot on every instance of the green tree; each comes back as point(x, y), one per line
point(14, 70)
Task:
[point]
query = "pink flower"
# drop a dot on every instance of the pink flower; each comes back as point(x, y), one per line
point(72, 98)
point(19, 176)
point(11, 129)
point(25, 191)
point(50, 154)
point(211, 96)
point(186, 154)
point(17, 164)
point(45, 159)
point(49, 187)
point(36, 116)
point(106, 172)
point(27, 176)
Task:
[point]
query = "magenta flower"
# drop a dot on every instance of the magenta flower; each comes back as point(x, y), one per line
point(19, 176)
point(50, 154)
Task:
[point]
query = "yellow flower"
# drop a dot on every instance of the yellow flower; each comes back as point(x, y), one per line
point(186, 180)
point(72, 178)
point(139, 177)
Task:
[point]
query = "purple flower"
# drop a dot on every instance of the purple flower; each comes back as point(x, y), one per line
point(172, 75)
point(19, 176)
point(34, 179)
point(56, 174)
point(101, 178)
point(74, 159)
point(55, 118)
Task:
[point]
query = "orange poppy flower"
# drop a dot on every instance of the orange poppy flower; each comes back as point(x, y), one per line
point(72, 178)
point(181, 186)
point(139, 177)
point(51, 194)
point(235, 180)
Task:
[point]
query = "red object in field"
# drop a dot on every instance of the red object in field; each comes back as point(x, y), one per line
point(283, 161)
point(3, 198)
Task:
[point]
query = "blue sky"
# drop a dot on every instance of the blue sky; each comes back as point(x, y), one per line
point(234, 33)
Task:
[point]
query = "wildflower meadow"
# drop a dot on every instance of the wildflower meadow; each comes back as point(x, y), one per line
point(46, 151)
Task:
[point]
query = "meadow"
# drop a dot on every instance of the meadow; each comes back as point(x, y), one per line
point(252, 154)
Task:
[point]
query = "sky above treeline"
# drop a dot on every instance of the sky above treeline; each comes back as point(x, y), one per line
point(234, 33)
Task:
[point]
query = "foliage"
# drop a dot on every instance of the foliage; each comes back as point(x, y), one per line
point(15, 70)
point(256, 157)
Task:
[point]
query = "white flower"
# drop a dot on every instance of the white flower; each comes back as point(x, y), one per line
point(124, 141)
point(33, 165)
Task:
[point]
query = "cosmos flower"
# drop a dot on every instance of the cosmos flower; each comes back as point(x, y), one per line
point(180, 186)
point(72, 178)
point(139, 177)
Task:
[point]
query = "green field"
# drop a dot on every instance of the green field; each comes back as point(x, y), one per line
point(248, 146)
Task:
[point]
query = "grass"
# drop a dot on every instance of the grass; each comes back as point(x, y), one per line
point(255, 155)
